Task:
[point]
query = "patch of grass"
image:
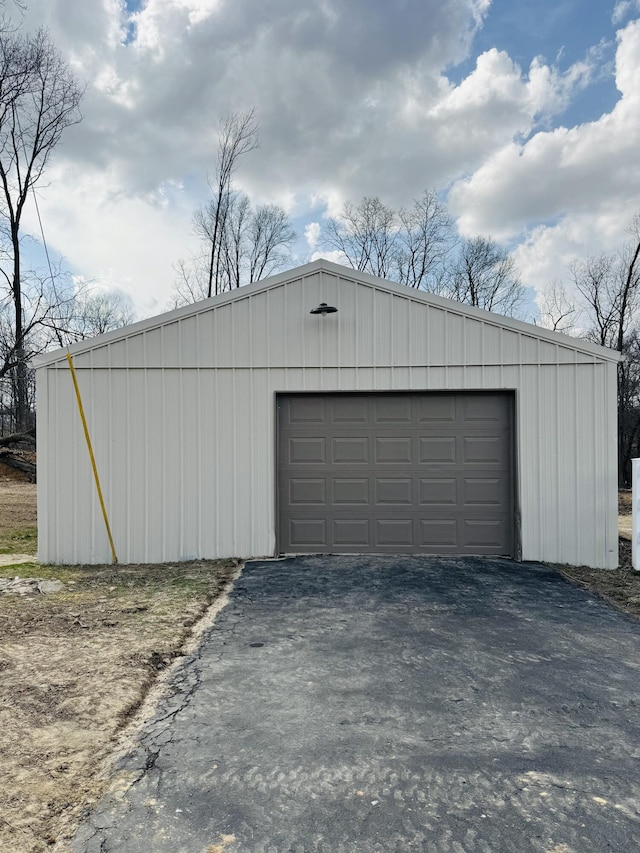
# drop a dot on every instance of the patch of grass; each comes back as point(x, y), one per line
point(21, 541)
point(66, 574)
point(180, 581)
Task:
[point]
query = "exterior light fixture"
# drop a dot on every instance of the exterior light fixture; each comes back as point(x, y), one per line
point(323, 309)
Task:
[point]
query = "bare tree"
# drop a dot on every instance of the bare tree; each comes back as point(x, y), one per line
point(610, 289)
point(92, 313)
point(269, 237)
point(486, 276)
point(190, 282)
point(252, 244)
point(366, 235)
point(424, 241)
point(558, 311)
point(233, 240)
point(238, 136)
point(39, 100)
point(596, 279)
point(410, 245)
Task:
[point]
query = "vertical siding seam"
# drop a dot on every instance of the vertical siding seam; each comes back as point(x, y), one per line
point(214, 429)
point(42, 408)
point(198, 442)
point(446, 348)
point(92, 421)
point(517, 429)
point(127, 453)
point(340, 337)
point(465, 352)
point(576, 544)
point(74, 479)
point(181, 434)
point(560, 543)
point(55, 457)
point(235, 466)
point(598, 509)
point(541, 462)
point(252, 444)
point(111, 478)
point(146, 489)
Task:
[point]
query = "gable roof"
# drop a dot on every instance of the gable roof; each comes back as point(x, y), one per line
point(365, 279)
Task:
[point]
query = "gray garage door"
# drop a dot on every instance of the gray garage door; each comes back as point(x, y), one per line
point(424, 473)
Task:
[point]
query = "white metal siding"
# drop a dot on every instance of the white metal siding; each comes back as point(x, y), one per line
point(373, 327)
point(182, 418)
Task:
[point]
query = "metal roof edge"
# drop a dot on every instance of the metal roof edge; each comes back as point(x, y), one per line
point(331, 267)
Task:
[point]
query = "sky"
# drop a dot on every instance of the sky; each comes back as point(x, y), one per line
point(524, 117)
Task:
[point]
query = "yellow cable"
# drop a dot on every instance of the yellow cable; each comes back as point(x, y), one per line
point(114, 558)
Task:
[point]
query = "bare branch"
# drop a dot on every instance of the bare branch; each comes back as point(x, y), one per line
point(557, 311)
point(238, 136)
point(486, 276)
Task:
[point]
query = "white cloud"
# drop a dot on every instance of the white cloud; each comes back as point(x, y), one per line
point(312, 234)
point(329, 255)
point(623, 10)
point(582, 181)
point(118, 241)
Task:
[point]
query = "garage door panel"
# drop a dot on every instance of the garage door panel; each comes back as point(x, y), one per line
point(392, 410)
point(438, 491)
point(351, 532)
point(350, 490)
point(350, 451)
point(305, 533)
point(307, 410)
point(307, 451)
point(349, 410)
point(406, 473)
point(439, 449)
point(306, 491)
point(436, 410)
point(438, 533)
point(484, 409)
point(483, 533)
point(394, 490)
point(485, 491)
point(484, 450)
point(394, 532)
point(396, 450)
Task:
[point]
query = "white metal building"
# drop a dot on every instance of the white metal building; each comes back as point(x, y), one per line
point(246, 426)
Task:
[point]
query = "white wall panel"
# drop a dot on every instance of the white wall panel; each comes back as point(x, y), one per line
point(187, 458)
point(183, 417)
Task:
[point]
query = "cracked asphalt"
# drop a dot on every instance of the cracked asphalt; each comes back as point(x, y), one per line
point(358, 704)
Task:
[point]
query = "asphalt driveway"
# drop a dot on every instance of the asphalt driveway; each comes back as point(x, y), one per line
point(391, 704)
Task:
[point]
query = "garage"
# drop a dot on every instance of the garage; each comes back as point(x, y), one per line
point(325, 410)
point(396, 473)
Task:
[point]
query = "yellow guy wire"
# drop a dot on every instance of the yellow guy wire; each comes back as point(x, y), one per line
point(114, 558)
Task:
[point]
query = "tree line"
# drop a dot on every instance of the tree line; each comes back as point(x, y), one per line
point(417, 246)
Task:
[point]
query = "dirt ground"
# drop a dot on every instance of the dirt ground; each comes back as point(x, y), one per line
point(77, 664)
point(74, 668)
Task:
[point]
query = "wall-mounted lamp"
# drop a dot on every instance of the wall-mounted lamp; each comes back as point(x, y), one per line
point(323, 309)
